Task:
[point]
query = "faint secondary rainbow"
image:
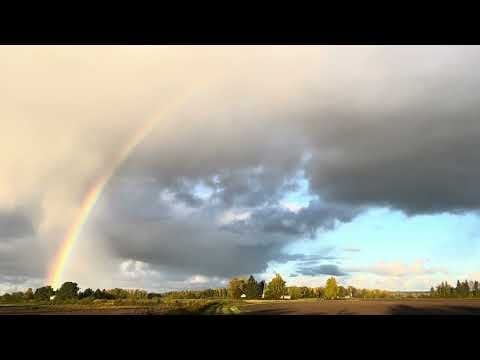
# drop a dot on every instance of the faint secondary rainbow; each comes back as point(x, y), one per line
point(58, 265)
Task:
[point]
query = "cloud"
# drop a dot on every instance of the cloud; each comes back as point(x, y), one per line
point(137, 274)
point(403, 150)
point(189, 199)
point(305, 222)
point(351, 249)
point(328, 269)
point(310, 257)
point(134, 269)
point(15, 224)
point(399, 269)
point(13, 283)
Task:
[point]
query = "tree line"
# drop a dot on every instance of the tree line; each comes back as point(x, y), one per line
point(69, 291)
point(463, 289)
point(238, 288)
point(277, 289)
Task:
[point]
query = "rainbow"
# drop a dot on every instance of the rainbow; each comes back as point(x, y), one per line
point(93, 194)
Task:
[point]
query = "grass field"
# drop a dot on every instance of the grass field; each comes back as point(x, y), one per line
point(259, 307)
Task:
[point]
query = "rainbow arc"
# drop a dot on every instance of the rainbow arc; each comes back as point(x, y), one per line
point(94, 193)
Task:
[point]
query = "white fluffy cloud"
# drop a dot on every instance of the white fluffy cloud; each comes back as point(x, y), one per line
point(399, 269)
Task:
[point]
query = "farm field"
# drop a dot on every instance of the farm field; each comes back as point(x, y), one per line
point(265, 307)
point(367, 307)
point(179, 307)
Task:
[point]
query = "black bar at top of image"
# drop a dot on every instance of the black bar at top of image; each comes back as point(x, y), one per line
point(321, 33)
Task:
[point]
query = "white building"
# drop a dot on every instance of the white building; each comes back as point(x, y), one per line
point(243, 296)
point(285, 297)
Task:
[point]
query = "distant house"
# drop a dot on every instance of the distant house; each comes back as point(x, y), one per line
point(52, 297)
point(285, 297)
point(243, 296)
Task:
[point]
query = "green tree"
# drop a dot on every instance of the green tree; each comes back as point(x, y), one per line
point(342, 292)
point(15, 297)
point(458, 288)
point(69, 290)
point(28, 294)
point(102, 294)
point(319, 292)
point(466, 289)
point(294, 292)
point(43, 293)
point(136, 294)
point(85, 294)
point(476, 289)
point(235, 288)
point(260, 288)
point(118, 293)
point(331, 289)
point(276, 288)
point(251, 288)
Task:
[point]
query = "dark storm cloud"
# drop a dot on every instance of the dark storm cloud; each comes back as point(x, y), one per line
point(189, 199)
point(194, 241)
point(13, 279)
point(402, 134)
point(322, 270)
point(136, 200)
point(315, 262)
point(190, 247)
point(22, 252)
point(414, 147)
point(23, 257)
point(254, 186)
point(15, 224)
point(306, 222)
point(306, 260)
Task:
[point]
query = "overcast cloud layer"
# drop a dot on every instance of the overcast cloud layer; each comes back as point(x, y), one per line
point(199, 199)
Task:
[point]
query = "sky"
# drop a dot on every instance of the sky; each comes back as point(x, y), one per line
point(358, 162)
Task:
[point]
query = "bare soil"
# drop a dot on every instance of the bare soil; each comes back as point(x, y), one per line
point(367, 307)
